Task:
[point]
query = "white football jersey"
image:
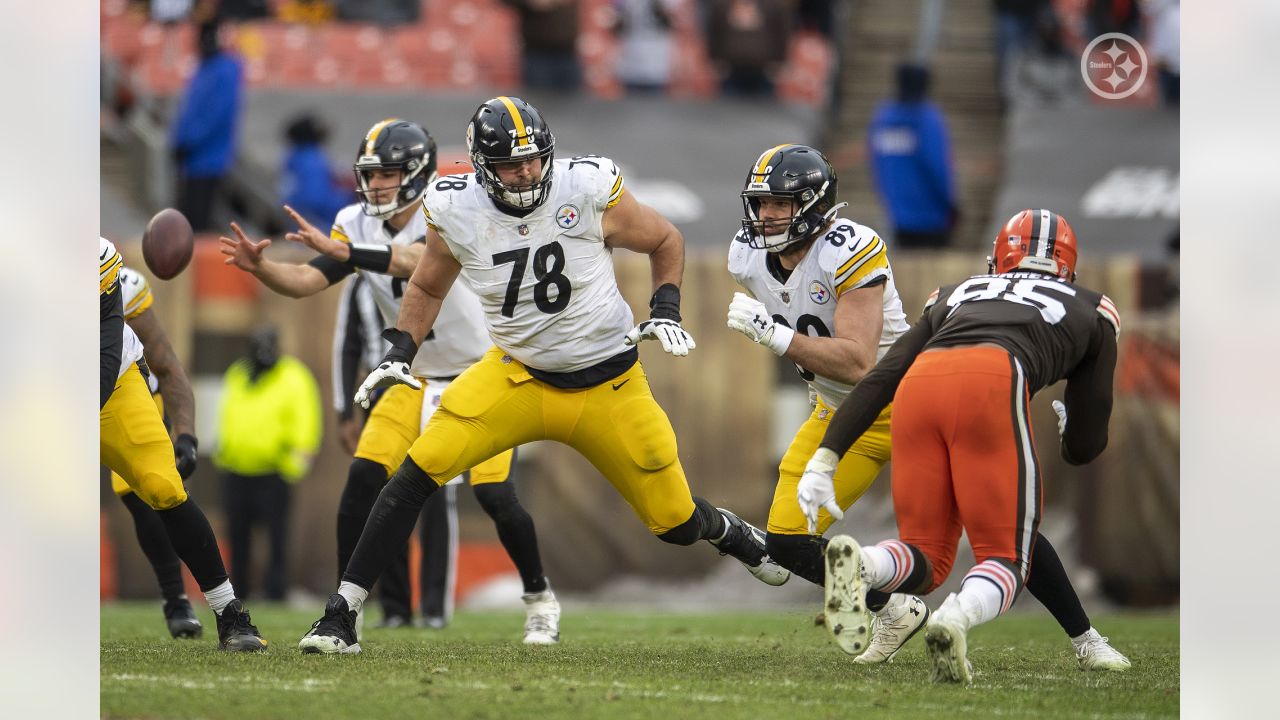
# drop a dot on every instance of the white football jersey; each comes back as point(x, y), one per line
point(137, 299)
point(457, 340)
point(847, 257)
point(546, 280)
point(110, 272)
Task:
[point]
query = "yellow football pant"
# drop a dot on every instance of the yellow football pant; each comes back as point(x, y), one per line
point(118, 485)
point(496, 405)
point(136, 446)
point(855, 473)
point(396, 422)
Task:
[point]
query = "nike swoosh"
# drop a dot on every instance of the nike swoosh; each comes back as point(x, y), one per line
point(624, 382)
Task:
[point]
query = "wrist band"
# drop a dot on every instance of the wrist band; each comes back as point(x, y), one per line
point(370, 257)
point(665, 303)
point(403, 348)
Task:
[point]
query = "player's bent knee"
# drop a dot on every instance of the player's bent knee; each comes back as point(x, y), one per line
point(646, 433)
point(790, 551)
point(162, 493)
point(410, 484)
point(686, 533)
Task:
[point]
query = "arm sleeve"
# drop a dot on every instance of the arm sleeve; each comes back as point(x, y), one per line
point(1088, 398)
point(348, 340)
point(875, 391)
point(333, 270)
point(110, 341)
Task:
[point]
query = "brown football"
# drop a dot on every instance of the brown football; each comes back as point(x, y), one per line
point(167, 244)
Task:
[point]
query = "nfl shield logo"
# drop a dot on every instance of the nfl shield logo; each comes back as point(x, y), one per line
point(786, 297)
point(524, 229)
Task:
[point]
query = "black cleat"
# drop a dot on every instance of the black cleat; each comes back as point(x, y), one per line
point(236, 631)
point(182, 619)
point(745, 542)
point(333, 633)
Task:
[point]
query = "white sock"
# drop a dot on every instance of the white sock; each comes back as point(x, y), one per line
point(877, 566)
point(986, 592)
point(353, 594)
point(219, 597)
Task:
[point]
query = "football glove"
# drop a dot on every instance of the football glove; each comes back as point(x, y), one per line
point(750, 317)
point(1061, 409)
point(674, 338)
point(387, 374)
point(184, 455)
point(817, 490)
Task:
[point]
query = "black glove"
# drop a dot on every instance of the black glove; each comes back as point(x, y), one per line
point(184, 455)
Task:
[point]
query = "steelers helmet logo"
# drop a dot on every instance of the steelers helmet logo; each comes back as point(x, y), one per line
point(819, 292)
point(567, 216)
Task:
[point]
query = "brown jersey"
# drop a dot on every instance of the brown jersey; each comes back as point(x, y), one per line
point(1056, 330)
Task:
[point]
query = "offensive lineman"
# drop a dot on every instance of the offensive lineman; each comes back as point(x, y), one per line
point(961, 381)
point(382, 237)
point(533, 237)
point(830, 279)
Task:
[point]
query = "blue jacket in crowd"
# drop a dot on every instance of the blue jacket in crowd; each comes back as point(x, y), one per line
point(911, 157)
point(205, 129)
point(307, 185)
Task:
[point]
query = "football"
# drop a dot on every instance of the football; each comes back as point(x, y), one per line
point(167, 244)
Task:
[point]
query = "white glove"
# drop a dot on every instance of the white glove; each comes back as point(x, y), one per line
point(750, 317)
point(675, 339)
point(817, 489)
point(387, 374)
point(1061, 409)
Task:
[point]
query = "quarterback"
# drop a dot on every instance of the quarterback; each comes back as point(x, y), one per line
point(532, 236)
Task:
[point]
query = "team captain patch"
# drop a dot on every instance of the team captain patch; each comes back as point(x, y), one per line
point(567, 216)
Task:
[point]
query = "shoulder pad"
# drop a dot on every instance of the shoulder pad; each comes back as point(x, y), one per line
point(598, 177)
point(109, 265)
point(344, 225)
point(1107, 309)
point(932, 299)
point(739, 255)
point(853, 255)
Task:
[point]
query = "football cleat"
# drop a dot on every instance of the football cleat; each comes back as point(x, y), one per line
point(542, 618)
point(896, 623)
point(745, 542)
point(181, 619)
point(236, 631)
point(333, 633)
point(1094, 652)
point(944, 637)
point(845, 596)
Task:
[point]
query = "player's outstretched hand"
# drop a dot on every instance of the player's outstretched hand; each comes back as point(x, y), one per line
point(817, 489)
point(674, 338)
point(749, 316)
point(1061, 409)
point(312, 237)
point(242, 252)
point(386, 375)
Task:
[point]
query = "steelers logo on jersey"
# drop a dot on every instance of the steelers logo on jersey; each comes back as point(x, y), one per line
point(819, 292)
point(567, 216)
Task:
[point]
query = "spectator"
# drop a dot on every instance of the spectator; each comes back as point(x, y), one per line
point(1016, 22)
point(1166, 24)
point(203, 135)
point(645, 44)
point(306, 12)
point(269, 429)
point(549, 37)
point(911, 159)
point(747, 40)
point(308, 182)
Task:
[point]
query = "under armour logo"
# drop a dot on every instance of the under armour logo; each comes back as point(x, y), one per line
point(915, 610)
point(757, 320)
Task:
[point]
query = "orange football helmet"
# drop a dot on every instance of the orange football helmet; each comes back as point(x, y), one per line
point(1035, 240)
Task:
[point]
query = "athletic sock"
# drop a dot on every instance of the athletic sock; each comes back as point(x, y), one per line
point(220, 596)
point(987, 591)
point(353, 594)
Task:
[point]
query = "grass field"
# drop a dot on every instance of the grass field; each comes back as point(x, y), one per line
point(624, 665)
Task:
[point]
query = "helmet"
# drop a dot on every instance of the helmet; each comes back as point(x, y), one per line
point(395, 144)
point(797, 172)
point(1035, 240)
point(507, 129)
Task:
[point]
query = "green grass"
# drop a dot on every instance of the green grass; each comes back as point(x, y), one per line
point(624, 665)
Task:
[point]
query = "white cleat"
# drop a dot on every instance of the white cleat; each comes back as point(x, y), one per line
point(944, 637)
point(542, 618)
point(896, 623)
point(745, 543)
point(845, 596)
point(1094, 652)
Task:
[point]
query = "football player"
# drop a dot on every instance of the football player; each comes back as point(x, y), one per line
point(135, 444)
point(961, 382)
point(165, 379)
point(533, 236)
point(806, 268)
point(381, 237)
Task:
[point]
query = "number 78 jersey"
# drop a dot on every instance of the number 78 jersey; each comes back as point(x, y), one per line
point(545, 280)
point(849, 256)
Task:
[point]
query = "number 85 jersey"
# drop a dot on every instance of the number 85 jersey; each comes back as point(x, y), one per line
point(847, 257)
point(546, 279)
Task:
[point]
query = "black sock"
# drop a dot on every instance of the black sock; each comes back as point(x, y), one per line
point(365, 480)
point(801, 554)
point(1048, 583)
point(515, 531)
point(193, 540)
point(154, 541)
point(390, 523)
point(706, 523)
